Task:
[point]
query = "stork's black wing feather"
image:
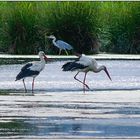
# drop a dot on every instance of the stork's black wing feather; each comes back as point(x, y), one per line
point(66, 65)
point(26, 66)
point(71, 66)
point(26, 72)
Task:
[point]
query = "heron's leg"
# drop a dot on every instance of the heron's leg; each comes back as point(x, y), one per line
point(60, 51)
point(80, 81)
point(66, 52)
point(24, 86)
point(33, 85)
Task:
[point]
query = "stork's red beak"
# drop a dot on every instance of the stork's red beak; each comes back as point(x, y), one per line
point(107, 73)
point(45, 58)
point(77, 54)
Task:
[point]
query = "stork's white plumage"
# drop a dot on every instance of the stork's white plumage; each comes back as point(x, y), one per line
point(32, 69)
point(84, 64)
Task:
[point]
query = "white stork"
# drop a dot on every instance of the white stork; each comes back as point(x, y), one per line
point(84, 64)
point(32, 69)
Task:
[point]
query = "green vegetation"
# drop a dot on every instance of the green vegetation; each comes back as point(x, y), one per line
point(120, 27)
point(112, 27)
point(14, 127)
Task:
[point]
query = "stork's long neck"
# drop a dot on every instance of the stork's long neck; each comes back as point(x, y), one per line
point(99, 69)
point(42, 59)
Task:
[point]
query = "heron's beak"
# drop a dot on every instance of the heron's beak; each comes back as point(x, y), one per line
point(48, 37)
point(107, 73)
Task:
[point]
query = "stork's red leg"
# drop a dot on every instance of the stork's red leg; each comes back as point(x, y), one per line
point(84, 82)
point(24, 86)
point(80, 81)
point(33, 85)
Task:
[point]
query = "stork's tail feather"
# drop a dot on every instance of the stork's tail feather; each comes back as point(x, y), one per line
point(26, 73)
point(19, 76)
point(66, 67)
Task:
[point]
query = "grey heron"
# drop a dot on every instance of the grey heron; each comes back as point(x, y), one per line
point(60, 44)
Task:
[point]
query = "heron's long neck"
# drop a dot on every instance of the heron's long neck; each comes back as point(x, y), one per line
point(99, 69)
point(54, 39)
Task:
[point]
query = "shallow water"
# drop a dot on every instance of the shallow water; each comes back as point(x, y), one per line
point(59, 108)
point(125, 75)
point(105, 114)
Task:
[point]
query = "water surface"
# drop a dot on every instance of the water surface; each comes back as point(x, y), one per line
point(60, 109)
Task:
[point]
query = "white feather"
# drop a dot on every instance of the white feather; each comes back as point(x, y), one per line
point(37, 66)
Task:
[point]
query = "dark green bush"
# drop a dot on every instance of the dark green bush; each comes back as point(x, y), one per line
point(19, 28)
point(114, 26)
point(73, 22)
point(29, 22)
point(120, 32)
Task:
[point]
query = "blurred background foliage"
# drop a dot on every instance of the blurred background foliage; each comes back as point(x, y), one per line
point(90, 27)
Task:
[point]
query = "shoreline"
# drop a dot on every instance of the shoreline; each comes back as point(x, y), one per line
point(96, 56)
point(18, 59)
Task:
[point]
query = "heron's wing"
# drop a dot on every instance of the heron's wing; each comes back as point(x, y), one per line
point(63, 45)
